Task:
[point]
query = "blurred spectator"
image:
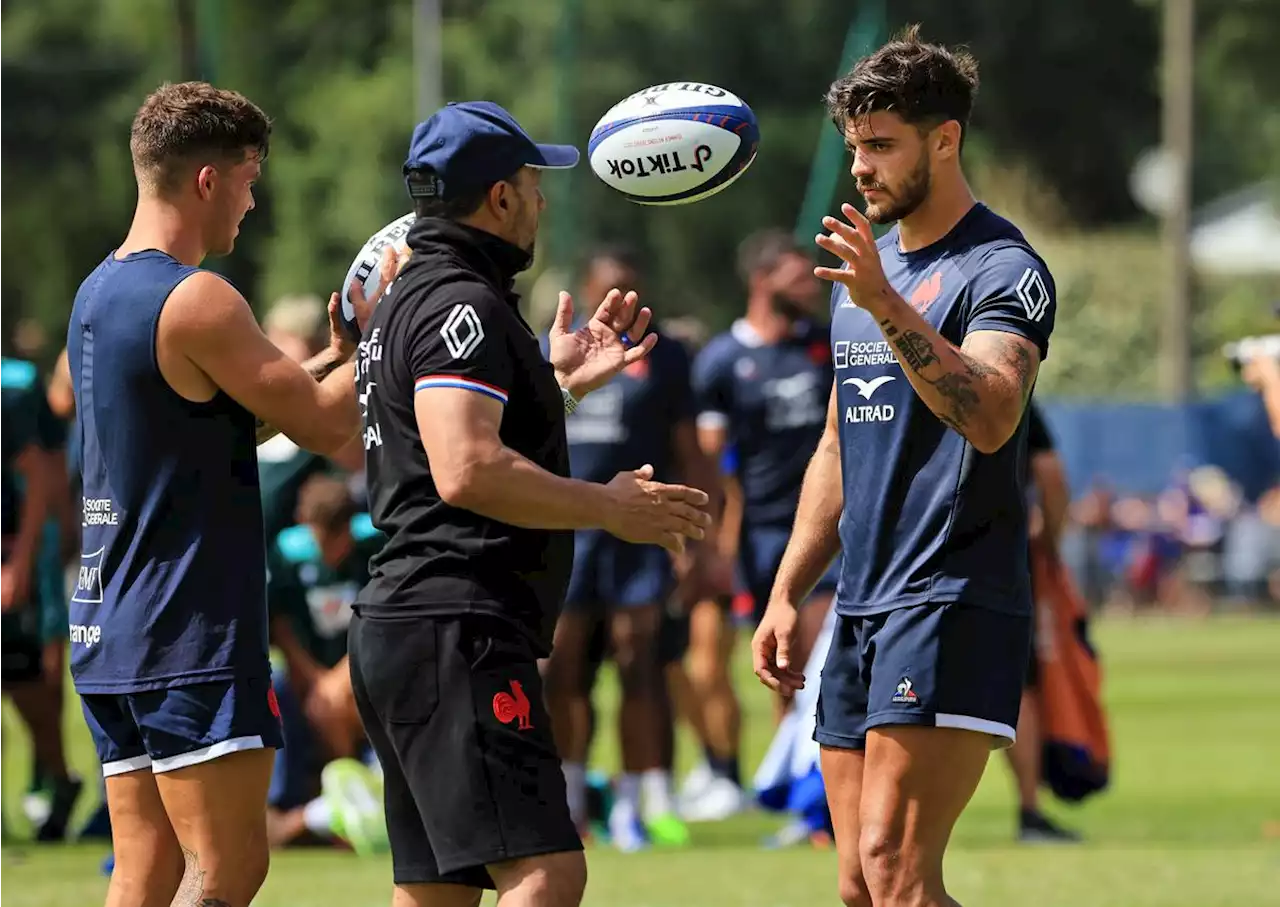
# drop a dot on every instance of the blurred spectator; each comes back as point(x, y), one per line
point(1263, 374)
point(298, 325)
point(29, 339)
point(316, 568)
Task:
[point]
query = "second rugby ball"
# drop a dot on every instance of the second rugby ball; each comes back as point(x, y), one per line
point(364, 267)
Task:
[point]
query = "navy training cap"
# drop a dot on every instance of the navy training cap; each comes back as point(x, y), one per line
point(469, 145)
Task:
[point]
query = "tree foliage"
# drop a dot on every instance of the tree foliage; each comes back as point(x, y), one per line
point(1069, 98)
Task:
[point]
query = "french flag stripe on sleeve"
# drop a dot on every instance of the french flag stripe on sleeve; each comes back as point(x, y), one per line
point(458, 381)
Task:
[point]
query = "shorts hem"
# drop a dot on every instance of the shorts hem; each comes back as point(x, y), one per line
point(413, 875)
point(124, 766)
point(505, 854)
point(170, 682)
point(839, 741)
point(208, 753)
point(1006, 734)
point(997, 729)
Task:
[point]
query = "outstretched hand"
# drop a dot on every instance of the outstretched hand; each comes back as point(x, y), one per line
point(612, 339)
point(855, 245)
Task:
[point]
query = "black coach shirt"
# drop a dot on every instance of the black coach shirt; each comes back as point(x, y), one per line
point(451, 320)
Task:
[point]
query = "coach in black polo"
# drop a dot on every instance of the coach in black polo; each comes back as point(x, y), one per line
point(468, 475)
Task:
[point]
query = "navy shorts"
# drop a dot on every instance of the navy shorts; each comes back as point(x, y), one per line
point(948, 665)
point(608, 572)
point(760, 551)
point(183, 726)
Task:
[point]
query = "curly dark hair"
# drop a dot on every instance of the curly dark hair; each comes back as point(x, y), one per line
point(925, 84)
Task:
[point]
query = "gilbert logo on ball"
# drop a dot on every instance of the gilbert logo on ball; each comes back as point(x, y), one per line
point(674, 143)
point(365, 266)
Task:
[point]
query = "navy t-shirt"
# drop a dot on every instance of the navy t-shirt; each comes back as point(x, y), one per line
point(927, 518)
point(629, 421)
point(772, 400)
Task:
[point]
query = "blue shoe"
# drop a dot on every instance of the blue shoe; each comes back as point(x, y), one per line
point(109, 864)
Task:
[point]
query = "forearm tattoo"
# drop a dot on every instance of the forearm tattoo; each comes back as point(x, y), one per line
point(961, 389)
point(917, 351)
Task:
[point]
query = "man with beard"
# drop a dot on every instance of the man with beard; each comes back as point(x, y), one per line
point(468, 476)
point(760, 388)
point(938, 330)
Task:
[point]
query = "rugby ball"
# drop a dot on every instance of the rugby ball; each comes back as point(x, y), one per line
point(674, 143)
point(365, 266)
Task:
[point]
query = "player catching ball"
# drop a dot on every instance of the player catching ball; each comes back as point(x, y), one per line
point(938, 330)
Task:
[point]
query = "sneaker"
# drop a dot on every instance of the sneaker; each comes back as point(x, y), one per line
point(625, 830)
point(695, 783)
point(793, 833)
point(37, 806)
point(718, 801)
point(1036, 828)
point(599, 805)
point(351, 792)
point(667, 830)
point(61, 803)
point(796, 832)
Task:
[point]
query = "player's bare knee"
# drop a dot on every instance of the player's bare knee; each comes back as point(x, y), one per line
point(548, 880)
point(148, 876)
point(706, 671)
point(890, 864)
point(638, 671)
point(853, 890)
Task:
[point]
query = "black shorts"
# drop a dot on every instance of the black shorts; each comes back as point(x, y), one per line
point(453, 707)
point(22, 647)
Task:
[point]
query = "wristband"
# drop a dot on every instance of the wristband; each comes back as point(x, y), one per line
point(570, 404)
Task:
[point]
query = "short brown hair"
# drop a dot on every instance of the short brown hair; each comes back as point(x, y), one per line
point(764, 250)
point(323, 500)
point(189, 121)
point(925, 84)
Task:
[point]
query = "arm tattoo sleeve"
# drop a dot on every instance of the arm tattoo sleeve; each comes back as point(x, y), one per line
point(959, 382)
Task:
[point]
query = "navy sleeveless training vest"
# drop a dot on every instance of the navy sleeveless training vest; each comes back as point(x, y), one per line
point(171, 585)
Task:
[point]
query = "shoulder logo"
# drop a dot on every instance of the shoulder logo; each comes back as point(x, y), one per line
point(1033, 294)
point(462, 331)
point(867, 388)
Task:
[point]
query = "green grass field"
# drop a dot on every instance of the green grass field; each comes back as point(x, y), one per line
point(1192, 818)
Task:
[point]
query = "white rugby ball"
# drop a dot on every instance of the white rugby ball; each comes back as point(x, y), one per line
point(674, 143)
point(365, 266)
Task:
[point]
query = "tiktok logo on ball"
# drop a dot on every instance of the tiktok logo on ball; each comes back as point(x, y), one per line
point(661, 164)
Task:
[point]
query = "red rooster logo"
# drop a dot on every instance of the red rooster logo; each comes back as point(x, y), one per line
point(926, 292)
point(513, 705)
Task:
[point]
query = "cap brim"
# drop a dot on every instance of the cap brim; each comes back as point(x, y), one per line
point(557, 157)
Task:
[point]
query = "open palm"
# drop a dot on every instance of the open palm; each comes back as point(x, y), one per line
point(587, 358)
